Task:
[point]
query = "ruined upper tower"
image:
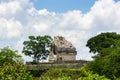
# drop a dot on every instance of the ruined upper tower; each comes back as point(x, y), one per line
point(63, 50)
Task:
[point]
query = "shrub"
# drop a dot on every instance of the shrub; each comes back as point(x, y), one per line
point(11, 66)
point(70, 74)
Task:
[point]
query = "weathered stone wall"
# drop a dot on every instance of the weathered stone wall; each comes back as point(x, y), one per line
point(67, 57)
point(57, 64)
point(63, 50)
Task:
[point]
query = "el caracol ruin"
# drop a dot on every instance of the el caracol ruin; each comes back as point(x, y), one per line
point(62, 55)
point(63, 50)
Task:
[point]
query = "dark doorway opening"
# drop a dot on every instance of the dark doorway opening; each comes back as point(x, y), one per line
point(60, 58)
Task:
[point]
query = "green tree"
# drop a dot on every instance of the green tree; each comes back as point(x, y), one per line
point(37, 47)
point(101, 43)
point(9, 56)
point(11, 66)
point(108, 65)
point(107, 61)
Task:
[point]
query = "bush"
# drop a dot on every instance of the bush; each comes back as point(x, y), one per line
point(93, 77)
point(108, 65)
point(60, 78)
point(14, 72)
point(56, 73)
point(11, 67)
point(70, 74)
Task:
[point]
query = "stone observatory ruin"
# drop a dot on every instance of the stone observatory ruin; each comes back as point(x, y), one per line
point(63, 50)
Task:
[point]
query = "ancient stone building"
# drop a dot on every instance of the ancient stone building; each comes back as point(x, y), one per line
point(63, 50)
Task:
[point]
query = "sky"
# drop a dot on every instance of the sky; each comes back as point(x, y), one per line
point(77, 21)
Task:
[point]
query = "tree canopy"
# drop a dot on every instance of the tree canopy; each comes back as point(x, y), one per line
point(100, 43)
point(11, 66)
point(9, 56)
point(37, 47)
point(107, 61)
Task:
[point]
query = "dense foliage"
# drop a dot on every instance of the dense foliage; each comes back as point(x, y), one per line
point(98, 44)
point(37, 47)
point(70, 74)
point(11, 66)
point(108, 65)
point(107, 61)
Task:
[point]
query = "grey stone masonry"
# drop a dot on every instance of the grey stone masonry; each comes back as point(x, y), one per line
point(63, 50)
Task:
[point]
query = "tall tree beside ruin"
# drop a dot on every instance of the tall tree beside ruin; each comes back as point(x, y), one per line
point(107, 60)
point(101, 43)
point(37, 47)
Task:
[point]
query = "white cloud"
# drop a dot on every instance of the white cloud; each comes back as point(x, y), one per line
point(43, 12)
point(77, 20)
point(73, 35)
point(40, 27)
point(20, 17)
point(32, 11)
point(10, 8)
point(71, 17)
point(13, 17)
point(9, 28)
point(106, 14)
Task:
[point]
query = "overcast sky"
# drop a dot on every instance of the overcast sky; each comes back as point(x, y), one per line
point(76, 20)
